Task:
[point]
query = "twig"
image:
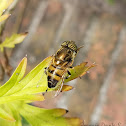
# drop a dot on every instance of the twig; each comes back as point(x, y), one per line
point(5, 66)
point(8, 11)
point(32, 29)
point(8, 67)
point(2, 72)
point(20, 17)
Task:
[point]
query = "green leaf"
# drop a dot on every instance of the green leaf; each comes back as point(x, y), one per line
point(4, 4)
point(6, 123)
point(25, 89)
point(15, 78)
point(34, 82)
point(40, 116)
point(4, 17)
point(14, 39)
point(5, 115)
point(11, 83)
point(79, 71)
point(13, 113)
point(47, 117)
point(10, 98)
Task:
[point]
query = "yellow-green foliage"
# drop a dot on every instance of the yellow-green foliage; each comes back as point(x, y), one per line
point(14, 39)
point(18, 91)
point(4, 4)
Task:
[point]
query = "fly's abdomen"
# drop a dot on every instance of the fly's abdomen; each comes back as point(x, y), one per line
point(54, 75)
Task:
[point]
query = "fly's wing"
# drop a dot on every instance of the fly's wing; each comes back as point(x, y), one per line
point(59, 87)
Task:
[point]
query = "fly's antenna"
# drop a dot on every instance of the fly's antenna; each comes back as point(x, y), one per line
point(79, 48)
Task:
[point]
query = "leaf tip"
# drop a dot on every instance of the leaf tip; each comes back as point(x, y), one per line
point(25, 33)
point(93, 65)
point(25, 59)
point(26, 55)
point(67, 111)
point(75, 121)
point(66, 88)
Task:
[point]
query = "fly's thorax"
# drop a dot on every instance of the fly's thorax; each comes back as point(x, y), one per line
point(64, 57)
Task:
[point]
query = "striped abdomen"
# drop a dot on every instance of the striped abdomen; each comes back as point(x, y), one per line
point(55, 74)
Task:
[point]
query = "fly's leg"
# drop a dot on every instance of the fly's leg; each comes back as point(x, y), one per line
point(69, 74)
point(45, 70)
point(59, 88)
point(45, 92)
